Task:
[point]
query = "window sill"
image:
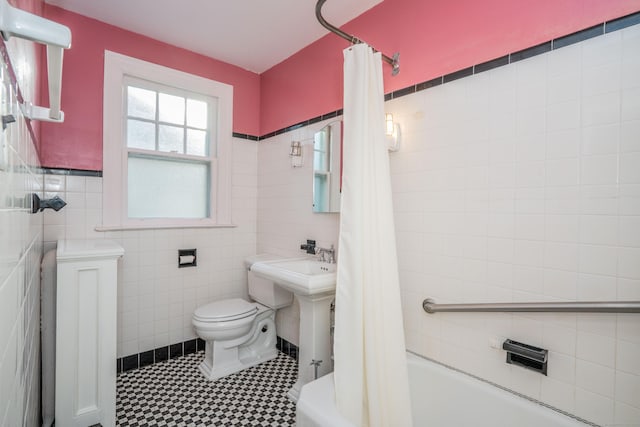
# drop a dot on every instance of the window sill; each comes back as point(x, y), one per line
point(102, 228)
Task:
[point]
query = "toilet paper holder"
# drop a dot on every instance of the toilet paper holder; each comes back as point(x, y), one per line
point(187, 258)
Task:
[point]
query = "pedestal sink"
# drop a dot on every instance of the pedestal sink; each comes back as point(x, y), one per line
point(314, 284)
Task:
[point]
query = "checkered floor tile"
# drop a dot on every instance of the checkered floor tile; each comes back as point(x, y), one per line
point(174, 393)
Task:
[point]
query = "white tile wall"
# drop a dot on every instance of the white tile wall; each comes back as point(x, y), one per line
point(521, 183)
point(156, 299)
point(284, 209)
point(20, 254)
point(561, 220)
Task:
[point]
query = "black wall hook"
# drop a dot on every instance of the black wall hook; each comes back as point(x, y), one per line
point(38, 205)
point(6, 119)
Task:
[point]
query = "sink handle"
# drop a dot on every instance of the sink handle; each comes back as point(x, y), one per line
point(310, 247)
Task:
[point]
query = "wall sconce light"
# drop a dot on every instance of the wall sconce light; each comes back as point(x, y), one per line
point(296, 154)
point(392, 133)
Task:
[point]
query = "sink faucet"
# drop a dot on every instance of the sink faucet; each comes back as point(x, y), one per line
point(326, 255)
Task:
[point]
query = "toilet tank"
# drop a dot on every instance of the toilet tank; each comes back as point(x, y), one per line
point(265, 291)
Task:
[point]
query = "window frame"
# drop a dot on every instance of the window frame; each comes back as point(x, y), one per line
point(130, 81)
point(117, 70)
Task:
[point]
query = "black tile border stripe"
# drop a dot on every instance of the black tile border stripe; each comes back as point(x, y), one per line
point(585, 34)
point(402, 92)
point(429, 83)
point(532, 51)
point(73, 172)
point(161, 354)
point(465, 72)
point(620, 23)
point(244, 136)
point(490, 65)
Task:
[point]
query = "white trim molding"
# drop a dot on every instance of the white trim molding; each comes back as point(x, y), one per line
point(116, 68)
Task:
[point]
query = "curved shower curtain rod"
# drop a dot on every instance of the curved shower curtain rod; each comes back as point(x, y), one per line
point(394, 61)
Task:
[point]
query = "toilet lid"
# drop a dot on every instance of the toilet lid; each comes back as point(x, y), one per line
point(228, 309)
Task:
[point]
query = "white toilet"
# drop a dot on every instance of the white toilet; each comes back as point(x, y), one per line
point(240, 334)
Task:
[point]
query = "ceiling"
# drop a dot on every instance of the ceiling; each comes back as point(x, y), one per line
point(252, 34)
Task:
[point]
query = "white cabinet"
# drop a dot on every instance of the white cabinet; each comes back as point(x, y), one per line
point(86, 332)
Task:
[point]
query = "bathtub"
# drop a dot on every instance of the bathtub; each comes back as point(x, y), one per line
point(440, 397)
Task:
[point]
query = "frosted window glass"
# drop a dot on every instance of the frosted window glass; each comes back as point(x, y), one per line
point(196, 142)
point(141, 134)
point(171, 139)
point(171, 109)
point(196, 114)
point(167, 189)
point(141, 103)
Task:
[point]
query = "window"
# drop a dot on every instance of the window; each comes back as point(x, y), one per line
point(168, 143)
point(167, 137)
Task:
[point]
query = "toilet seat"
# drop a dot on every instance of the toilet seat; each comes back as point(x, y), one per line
point(225, 311)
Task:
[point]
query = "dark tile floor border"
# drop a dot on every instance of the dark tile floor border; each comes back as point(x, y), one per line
point(287, 348)
point(161, 354)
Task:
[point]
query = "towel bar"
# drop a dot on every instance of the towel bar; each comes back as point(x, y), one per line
point(57, 37)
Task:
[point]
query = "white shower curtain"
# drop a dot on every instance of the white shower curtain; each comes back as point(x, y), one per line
point(370, 371)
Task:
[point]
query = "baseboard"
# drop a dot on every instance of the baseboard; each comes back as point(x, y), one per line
point(161, 354)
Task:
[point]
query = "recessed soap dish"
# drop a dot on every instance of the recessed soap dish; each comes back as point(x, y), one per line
point(526, 355)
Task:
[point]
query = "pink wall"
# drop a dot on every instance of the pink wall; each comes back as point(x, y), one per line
point(77, 143)
point(433, 38)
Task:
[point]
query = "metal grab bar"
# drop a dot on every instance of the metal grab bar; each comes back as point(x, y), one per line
point(430, 306)
point(394, 62)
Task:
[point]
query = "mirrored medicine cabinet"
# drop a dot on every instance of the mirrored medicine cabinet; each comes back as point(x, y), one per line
point(327, 168)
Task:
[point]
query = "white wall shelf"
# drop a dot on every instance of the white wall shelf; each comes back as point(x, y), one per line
point(57, 37)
